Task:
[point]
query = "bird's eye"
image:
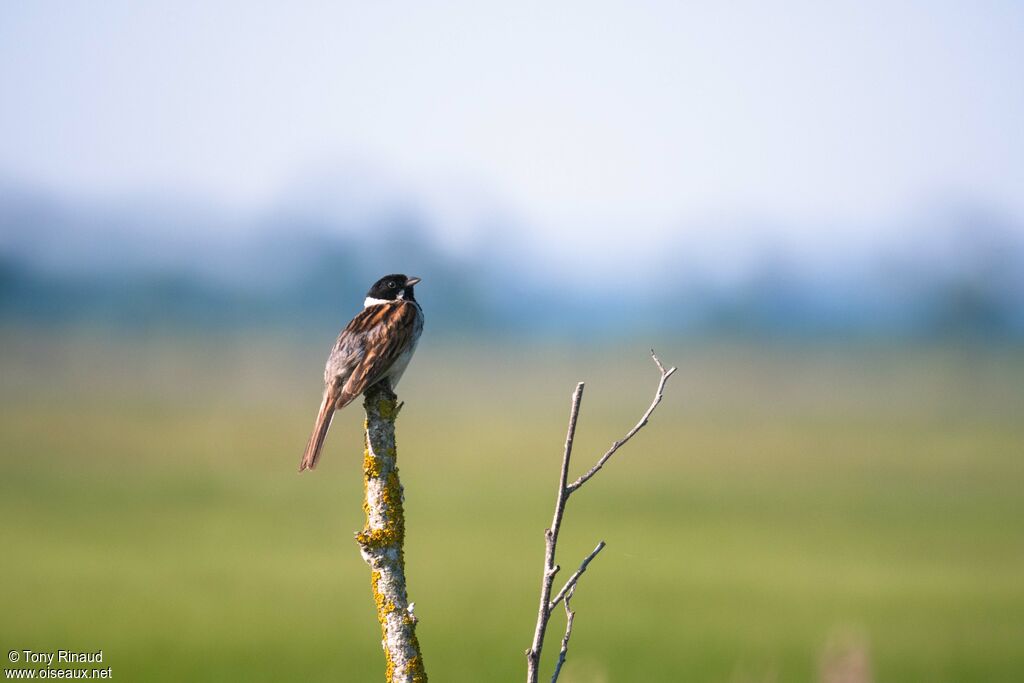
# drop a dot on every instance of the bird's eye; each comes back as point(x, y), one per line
point(391, 284)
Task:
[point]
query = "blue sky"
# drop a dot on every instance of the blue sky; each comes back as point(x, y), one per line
point(622, 122)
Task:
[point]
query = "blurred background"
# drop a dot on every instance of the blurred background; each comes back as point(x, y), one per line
point(815, 211)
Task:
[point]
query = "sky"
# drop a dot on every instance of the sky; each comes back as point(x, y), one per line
point(601, 125)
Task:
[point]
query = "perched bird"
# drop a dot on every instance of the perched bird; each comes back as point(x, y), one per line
point(375, 346)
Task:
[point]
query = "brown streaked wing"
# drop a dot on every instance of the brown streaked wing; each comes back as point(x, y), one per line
point(348, 349)
point(385, 334)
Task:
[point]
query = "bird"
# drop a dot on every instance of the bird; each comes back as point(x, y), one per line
point(376, 346)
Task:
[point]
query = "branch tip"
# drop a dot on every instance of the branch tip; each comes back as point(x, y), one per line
point(570, 584)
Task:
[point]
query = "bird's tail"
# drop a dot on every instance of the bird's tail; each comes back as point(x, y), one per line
point(320, 427)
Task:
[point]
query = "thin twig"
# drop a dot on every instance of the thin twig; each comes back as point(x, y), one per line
point(551, 540)
point(571, 583)
point(665, 374)
point(547, 605)
point(569, 617)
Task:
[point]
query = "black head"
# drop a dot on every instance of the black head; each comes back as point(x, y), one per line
point(391, 287)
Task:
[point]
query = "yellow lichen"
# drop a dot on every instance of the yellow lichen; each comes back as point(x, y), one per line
point(419, 675)
point(388, 409)
point(371, 464)
point(379, 467)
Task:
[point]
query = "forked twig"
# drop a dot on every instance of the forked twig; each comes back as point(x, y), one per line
point(665, 374)
point(565, 489)
point(571, 583)
point(569, 617)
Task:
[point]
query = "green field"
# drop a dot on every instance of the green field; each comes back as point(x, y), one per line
point(784, 498)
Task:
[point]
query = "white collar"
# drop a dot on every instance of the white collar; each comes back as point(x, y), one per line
point(370, 301)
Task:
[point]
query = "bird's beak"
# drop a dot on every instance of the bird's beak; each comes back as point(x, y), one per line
point(412, 281)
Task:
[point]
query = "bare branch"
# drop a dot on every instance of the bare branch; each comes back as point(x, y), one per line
point(571, 583)
point(665, 374)
point(574, 413)
point(569, 617)
point(661, 368)
point(547, 604)
point(551, 540)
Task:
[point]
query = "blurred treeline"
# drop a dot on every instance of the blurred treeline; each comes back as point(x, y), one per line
point(154, 262)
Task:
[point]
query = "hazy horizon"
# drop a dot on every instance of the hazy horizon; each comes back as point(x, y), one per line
point(795, 167)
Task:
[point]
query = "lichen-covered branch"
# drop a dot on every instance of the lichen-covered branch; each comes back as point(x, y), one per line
point(566, 489)
point(382, 539)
